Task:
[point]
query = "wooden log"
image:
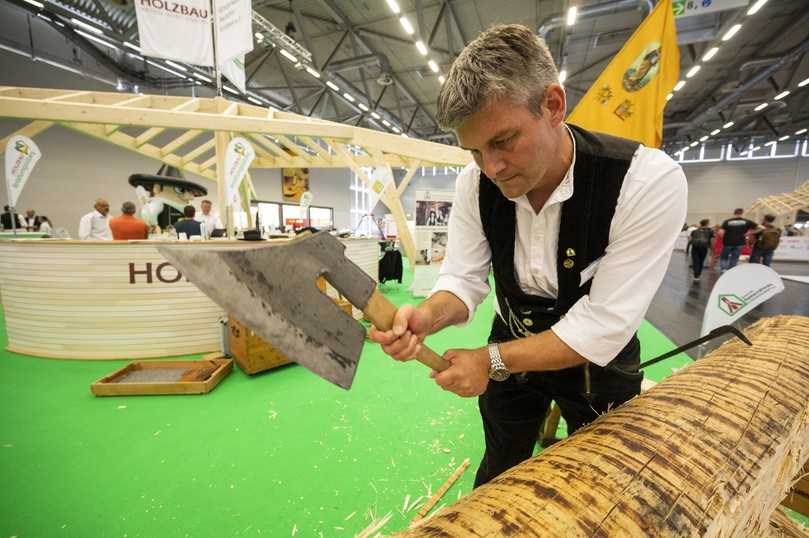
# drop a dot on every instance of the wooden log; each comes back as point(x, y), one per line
point(710, 451)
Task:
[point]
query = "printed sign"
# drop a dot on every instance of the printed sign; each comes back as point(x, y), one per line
point(238, 157)
point(234, 25)
point(160, 22)
point(737, 292)
point(22, 155)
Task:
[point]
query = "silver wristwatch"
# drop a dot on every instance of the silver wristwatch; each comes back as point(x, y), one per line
point(497, 369)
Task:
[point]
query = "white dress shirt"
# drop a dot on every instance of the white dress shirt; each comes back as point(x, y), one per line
point(648, 217)
point(94, 225)
point(210, 221)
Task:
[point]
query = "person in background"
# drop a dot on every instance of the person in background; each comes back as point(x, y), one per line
point(127, 225)
point(5, 219)
point(767, 238)
point(187, 224)
point(31, 221)
point(207, 218)
point(701, 241)
point(716, 250)
point(733, 238)
point(96, 224)
point(45, 225)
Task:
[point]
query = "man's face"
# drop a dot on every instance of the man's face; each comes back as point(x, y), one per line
point(103, 208)
point(29, 213)
point(512, 145)
point(206, 208)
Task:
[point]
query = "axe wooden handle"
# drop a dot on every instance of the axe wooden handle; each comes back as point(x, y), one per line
point(380, 312)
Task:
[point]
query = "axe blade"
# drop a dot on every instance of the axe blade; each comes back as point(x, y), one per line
point(271, 290)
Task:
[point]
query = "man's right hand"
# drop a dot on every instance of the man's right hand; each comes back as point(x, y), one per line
point(410, 326)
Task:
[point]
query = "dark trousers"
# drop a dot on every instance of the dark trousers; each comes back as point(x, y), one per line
point(698, 255)
point(513, 410)
point(760, 255)
point(729, 257)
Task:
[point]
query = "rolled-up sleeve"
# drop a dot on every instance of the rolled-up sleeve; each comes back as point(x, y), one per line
point(648, 218)
point(465, 269)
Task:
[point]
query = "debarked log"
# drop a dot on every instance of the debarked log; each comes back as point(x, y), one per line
point(711, 451)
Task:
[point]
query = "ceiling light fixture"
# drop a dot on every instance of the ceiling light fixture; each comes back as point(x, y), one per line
point(394, 6)
point(710, 54)
point(312, 72)
point(755, 7)
point(669, 96)
point(800, 132)
point(732, 32)
point(433, 66)
point(704, 138)
point(288, 55)
point(375, 115)
point(679, 86)
point(762, 106)
point(422, 47)
point(803, 83)
point(693, 71)
point(572, 13)
point(781, 95)
point(442, 79)
point(407, 26)
point(363, 107)
point(562, 76)
point(34, 3)
point(728, 125)
point(332, 85)
point(349, 96)
point(715, 132)
point(86, 26)
point(694, 144)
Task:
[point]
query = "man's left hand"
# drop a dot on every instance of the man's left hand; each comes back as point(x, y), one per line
point(468, 374)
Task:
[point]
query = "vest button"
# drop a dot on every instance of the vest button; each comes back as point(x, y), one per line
point(568, 263)
point(527, 322)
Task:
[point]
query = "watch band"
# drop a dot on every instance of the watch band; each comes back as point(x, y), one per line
point(497, 368)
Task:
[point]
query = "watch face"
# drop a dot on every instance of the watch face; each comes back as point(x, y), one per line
point(499, 375)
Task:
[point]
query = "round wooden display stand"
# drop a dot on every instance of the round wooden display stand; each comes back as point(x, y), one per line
point(113, 299)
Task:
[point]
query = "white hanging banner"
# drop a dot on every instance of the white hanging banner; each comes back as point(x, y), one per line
point(176, 30)
point(22, 155)
point(233, 69)
point(737, 292)
point(238, 157)
point(234, 28)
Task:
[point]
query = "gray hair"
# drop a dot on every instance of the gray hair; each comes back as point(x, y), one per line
point(507, 60)
point(128, 208)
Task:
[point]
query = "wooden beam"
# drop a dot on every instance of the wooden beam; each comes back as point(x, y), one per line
point(270, 145)
point(36, 109)
point(127, 142)
point(191, 105)
point(67, 96)
point(317, 148)
point(180, 141)
point(294, 148)
point(411, 171)
point(132, 101)
point(30, 130)
point(199, 150)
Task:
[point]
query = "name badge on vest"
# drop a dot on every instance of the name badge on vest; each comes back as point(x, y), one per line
point(589, 272)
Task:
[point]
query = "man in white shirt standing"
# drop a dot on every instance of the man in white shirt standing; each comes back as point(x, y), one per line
point(207, 218)
point(578, 229)
point(96, 224)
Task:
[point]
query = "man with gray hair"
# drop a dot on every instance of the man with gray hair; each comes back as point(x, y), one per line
point(127, 226)
point(95, 225)
point(578, 229)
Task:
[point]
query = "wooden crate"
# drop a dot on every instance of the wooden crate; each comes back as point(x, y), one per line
point(250, 352)
point(178, 377)
point(253, 354)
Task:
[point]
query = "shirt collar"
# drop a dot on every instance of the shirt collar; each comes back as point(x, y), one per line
point(98, 214)
point(563, 191)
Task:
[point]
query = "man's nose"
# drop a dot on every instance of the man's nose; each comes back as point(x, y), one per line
point(493, 164)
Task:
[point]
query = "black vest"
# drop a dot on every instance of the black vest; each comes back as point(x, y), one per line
point(601, 164)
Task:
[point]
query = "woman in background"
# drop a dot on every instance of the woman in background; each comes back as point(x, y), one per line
point(45, 225)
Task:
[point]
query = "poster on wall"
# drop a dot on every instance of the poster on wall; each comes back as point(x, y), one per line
point(432, 221)
point(295, 182)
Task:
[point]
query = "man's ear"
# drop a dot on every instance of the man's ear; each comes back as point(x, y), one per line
point(555, 103)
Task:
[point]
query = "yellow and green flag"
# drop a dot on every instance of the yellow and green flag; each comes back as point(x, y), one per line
point(629, 97)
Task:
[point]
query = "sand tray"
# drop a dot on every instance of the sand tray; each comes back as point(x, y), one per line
point(164, 377)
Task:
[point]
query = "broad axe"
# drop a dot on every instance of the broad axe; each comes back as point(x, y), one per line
point(271, 289)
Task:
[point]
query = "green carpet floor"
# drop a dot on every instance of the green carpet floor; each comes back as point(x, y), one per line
point(279, 454)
